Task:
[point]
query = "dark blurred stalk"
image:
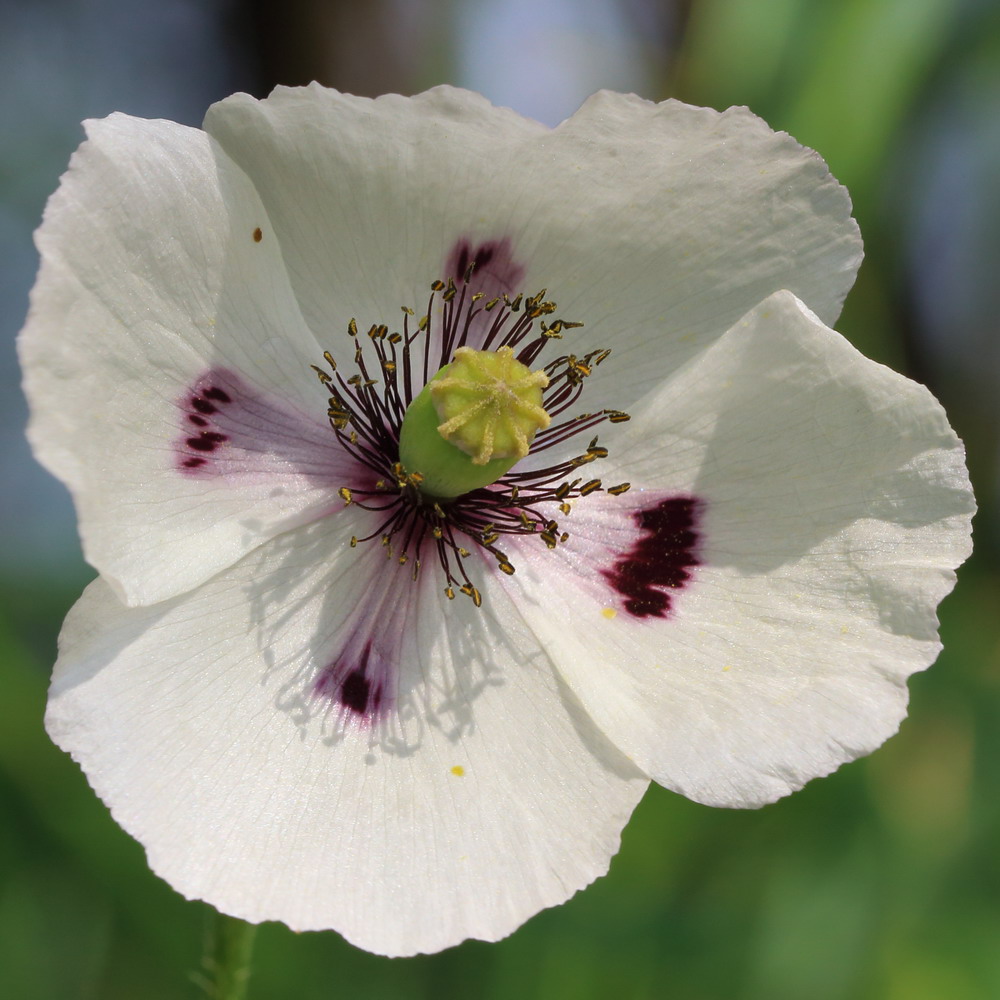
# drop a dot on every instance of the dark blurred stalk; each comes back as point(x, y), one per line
point(226, 965)
point(370, 48)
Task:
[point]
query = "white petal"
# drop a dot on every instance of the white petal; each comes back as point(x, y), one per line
point(369, 196)
point(831, 506)
point(658, 226)
point(487, 794)
point(660, 223)
point(152, 283)
point(672, 221)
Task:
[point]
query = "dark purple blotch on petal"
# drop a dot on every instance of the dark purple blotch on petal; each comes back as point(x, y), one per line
point(219, 395)
point(228, 427)
point(204, 404)
point(356, 684)
point(496, 270)
point(661, 559)
point(207, 441)
point(358, 694)
point(496, 273)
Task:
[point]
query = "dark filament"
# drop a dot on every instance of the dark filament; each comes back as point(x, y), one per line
point(366, 411)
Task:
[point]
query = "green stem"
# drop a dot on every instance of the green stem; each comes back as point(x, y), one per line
point(225, 967)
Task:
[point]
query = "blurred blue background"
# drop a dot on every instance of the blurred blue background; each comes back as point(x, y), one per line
point(879, 882)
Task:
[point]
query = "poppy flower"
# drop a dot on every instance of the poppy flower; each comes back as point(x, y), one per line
point(449, 477)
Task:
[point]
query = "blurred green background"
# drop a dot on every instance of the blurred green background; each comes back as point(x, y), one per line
point(881, 881)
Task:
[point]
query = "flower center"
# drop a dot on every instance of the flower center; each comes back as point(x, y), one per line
point(472, 422)
point(436, 454)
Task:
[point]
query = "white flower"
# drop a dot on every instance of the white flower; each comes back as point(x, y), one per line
point(302, 729)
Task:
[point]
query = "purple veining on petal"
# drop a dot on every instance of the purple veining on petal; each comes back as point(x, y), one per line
point(661, 558)
point(496, 272)
point(229, 428)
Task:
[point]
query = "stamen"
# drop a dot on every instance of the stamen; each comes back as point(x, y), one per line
point(366, 414)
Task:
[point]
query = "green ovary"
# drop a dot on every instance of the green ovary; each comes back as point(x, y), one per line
point(472, 422)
